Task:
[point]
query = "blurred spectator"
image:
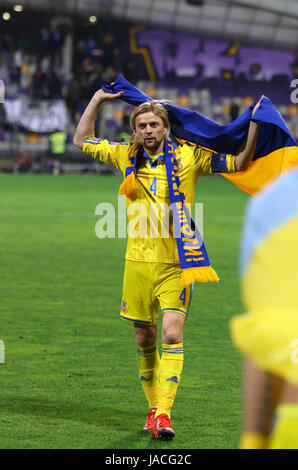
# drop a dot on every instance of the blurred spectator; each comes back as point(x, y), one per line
point(2, 118)
point(39, 84)
point(234, 111)
point(18, 60)
point(58, 145)
point(95, 79)
point(129, 70)
point(47, 164)
point(90, 45)
point(56, 40)
point(124, 137)
point(55, 87)
point(108, 46)
point(4, 70)
point(110, 74)
point(73, 96)
point(43, 42)
point(24, 162)
point(7, 48)
point(88, 65)
point(80, 52)
point(125, 125)
point(84, 86)
point(117, 59)
point(58, 142)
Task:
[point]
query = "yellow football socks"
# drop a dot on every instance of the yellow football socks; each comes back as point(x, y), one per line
point(284, 434)
point(285, 430)
point(170, 369)
point(148, 363)
point(252, 440)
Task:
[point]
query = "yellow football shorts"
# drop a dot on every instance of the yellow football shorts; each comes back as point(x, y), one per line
point(146, 286)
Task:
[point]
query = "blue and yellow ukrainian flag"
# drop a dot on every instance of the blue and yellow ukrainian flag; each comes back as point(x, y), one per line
point(276, 150)
point(268, 332)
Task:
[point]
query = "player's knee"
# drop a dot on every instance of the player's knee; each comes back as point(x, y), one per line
point(172, 328)
point(145, 337)
point(172, 335)
point(144, 342)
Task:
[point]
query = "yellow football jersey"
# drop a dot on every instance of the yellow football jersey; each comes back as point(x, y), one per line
point(150, 237)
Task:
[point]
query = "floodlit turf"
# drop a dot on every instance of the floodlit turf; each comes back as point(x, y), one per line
point(69, 380)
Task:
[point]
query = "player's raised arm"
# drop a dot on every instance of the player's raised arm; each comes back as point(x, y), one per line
point(247, 150)
point(85, 127)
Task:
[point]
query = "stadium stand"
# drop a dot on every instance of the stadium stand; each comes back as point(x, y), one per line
point(39, 73)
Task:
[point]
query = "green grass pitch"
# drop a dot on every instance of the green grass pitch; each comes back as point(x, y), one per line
point(69, 380)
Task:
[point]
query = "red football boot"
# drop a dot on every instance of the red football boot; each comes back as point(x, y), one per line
point(163, 427)
point(150, 419)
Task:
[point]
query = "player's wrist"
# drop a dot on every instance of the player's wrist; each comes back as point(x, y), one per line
point(98, 98)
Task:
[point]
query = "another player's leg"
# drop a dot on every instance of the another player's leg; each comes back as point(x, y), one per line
point(270, 409)
point(148, 364)
point(170, 369)
point(284, 434)
point(262, 392)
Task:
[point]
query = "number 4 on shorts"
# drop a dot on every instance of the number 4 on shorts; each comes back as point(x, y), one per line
point(183, 296)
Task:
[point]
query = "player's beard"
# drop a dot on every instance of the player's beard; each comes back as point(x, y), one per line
point(153, 146)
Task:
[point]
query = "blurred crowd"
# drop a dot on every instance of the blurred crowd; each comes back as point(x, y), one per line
point(33, 63)
point(98, 59)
